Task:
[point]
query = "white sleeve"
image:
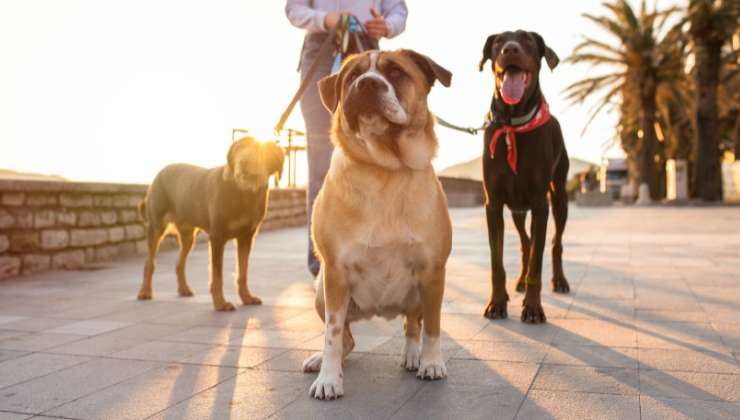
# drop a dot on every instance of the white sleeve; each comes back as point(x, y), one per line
point(301, 15)
point(395, 13)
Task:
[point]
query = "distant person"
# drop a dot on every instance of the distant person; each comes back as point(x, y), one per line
point(381, 19)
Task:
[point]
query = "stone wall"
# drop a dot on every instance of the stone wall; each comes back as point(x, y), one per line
point(67, 225)
point(463, 192)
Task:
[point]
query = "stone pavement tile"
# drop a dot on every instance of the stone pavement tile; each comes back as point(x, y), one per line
point(99, 345)
point(10, 354)
point(37, 341)
point(6, 334)
point(730, 333)
point(368, 394)
point(720, 313)
point(7, 319)
point(515, 330)
point(306, 321)
point(34, 324)
point(501, 376)
point(377, 326)
point(596, 356)
point(41, 394)
point(693, 385)
point(146, 332)
point(600, 380)
point(363, 343)
point(142, 311)
point(89, 327)
point(236, 356)
point(546, 405)
point(620, 310)
point(270, 338)
point(394, 347)
point(508, 351)
point(6, 415)
point(683, 409)
point(292, 361)
point(678, 335)
point(92, 309)
point(605, 290)
point(33, 365)
point(146, 394)
point(609, 333)
point(163, 351)
point(688, 360)
point(261, 316)
point(442, 400)
point(208, 335)
point(656, 316)
point(252, 394)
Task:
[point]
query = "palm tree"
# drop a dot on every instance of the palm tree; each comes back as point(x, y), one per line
point(643, 62)
point(711, 25)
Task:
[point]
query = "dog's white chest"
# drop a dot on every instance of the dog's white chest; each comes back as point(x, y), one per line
point(384, 280)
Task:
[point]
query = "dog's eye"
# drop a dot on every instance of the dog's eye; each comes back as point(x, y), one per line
point(394, 72)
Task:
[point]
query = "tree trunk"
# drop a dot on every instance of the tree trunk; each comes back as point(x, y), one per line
point(708, 173)
point(647, 151)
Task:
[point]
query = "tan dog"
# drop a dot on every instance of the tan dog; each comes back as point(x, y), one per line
point(227, 202)
point(380, 224)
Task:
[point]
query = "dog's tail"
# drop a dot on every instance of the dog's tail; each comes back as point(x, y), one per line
point(142, 210)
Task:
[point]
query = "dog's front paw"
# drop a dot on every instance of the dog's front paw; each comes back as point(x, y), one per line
point(532, 313)
point(313, 362)
point(560, 285)
point(411, 355)
point(496, 310)
point(225, 306)
point(185, 292)
point(327, 387)
point(144, 295)
point(248, 299)
point(432, 369)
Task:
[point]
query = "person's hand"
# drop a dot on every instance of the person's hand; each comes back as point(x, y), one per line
point(376, 27)
point(332, 19)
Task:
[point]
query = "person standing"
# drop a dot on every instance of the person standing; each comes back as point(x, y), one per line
point(381, 19)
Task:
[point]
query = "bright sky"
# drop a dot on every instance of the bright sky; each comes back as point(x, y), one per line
point(113, 90)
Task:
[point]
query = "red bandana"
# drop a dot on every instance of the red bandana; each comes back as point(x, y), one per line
point(542, 116)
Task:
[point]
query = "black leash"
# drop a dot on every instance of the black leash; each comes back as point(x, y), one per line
point(337, 43)
point(327, 47)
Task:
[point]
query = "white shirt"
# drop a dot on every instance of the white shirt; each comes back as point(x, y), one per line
point(310, 14)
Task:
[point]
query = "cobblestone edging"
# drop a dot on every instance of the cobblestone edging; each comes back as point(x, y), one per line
point(65, 225)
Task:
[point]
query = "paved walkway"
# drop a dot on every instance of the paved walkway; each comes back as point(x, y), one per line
point(650, 330)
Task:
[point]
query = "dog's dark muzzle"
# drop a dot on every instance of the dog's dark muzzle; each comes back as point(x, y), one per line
point(363, 99)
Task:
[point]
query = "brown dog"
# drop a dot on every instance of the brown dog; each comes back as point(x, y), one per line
point(227, 202)
point(524, 163)
point(380, 224)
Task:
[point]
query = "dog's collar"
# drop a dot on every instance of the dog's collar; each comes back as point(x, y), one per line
point(493, 118)
point(540, 117)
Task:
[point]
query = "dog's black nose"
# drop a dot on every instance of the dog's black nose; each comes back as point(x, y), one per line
point(371, 84)
point(511, 49)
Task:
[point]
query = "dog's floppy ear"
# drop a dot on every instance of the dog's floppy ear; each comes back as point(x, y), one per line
point(274, 157)
point(550, 57)
point(229, 168)
point(329, 91)
point(431, 69)
point(230, 155)
point(487, 51)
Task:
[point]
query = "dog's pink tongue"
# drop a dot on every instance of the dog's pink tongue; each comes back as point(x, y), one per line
point(513, 85)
